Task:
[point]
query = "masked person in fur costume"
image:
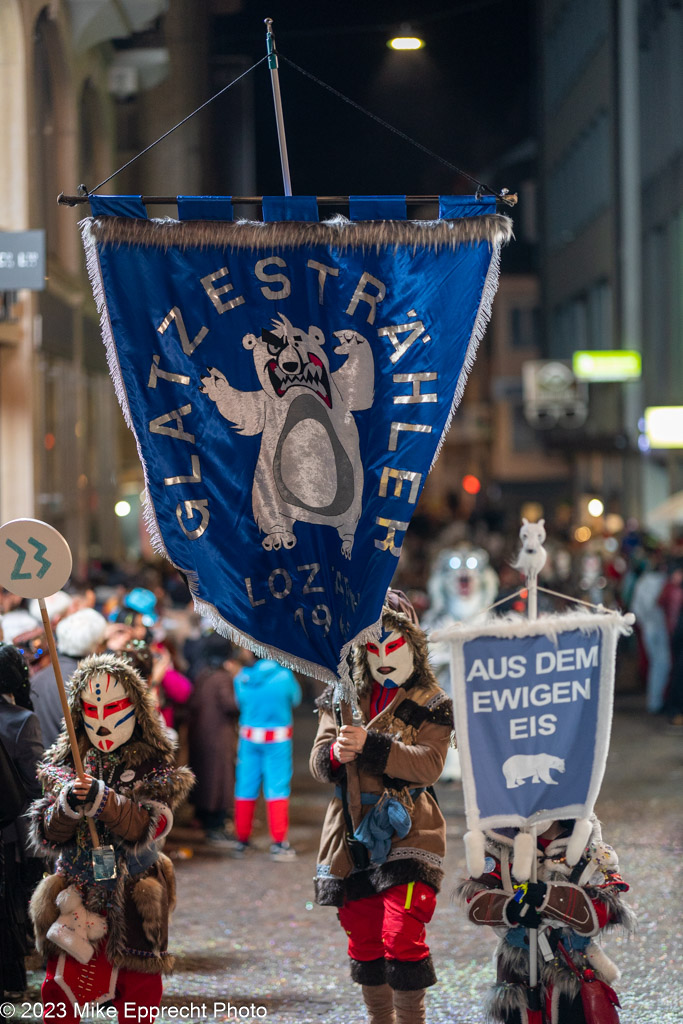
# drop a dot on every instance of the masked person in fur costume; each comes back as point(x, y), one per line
point(570, 907)
point(106, 940)
point(385, 880)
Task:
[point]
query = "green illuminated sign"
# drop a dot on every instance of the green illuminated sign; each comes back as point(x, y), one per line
point(619, 364)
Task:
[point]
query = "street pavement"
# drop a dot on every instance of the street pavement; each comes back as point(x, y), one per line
point(251, 944)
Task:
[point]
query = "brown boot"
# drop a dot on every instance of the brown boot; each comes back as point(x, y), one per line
point(380, 1004)
point(410, 1006)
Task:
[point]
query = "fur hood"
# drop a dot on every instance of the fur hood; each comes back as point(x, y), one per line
point(422, 677)
point(149, 740)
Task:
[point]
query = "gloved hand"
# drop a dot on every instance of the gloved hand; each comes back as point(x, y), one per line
point(73, 799)
point(524, 911)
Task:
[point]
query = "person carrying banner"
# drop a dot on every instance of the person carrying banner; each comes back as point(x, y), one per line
point(384, 876)
point(102, 918)
point(570, 907)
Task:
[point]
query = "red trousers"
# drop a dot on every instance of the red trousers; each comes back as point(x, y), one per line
point(390, 924)
point(136, 991)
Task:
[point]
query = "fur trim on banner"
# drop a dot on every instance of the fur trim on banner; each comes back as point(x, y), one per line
point(516, 625)
point(368, 972)
point(475, 852)
point(338, 231)
point(580, 837)
point(523, 856)
point(410, 975)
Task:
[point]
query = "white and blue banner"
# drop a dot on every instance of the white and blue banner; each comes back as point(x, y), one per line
point(533, 710)
point(289, 385)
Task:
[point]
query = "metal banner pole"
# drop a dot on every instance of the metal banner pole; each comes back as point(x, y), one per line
point(532, 610)
point(280, 121)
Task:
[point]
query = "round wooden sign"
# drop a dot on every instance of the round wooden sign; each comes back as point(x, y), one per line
point(35, 560)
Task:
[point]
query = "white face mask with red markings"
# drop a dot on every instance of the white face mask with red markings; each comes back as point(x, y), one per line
point(391, 661)
point(108, 712)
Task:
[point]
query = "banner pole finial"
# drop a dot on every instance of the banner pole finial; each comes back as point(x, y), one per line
point(277, 100)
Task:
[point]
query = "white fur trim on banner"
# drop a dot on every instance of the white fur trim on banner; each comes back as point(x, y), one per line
point(524, 850)
point(580, 837)
point(475, 852)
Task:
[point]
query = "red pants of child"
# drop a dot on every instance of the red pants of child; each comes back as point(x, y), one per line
point(390, 924)
point(136, 993)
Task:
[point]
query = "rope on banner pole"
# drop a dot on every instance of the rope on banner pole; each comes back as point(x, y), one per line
point(272, 56)
point(84, 192)
point(503, 196)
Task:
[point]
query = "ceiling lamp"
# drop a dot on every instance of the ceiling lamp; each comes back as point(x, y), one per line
point(405, 40)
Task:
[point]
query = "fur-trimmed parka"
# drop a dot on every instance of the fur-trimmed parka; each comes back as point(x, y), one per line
point(139, 787)
point(405, 749)
point(579, 904)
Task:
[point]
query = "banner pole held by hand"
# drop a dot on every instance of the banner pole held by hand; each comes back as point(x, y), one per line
point(35, 562)
point(530, 561)
point(68, 721)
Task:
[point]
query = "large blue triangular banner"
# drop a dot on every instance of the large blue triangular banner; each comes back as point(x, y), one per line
point(289, 386)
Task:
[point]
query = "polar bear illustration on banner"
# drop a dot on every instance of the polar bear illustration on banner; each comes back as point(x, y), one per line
point(537, 767)
point(309, 467)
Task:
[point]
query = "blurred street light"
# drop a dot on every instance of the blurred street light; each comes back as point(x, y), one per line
point(595, 507)
point(405, 40)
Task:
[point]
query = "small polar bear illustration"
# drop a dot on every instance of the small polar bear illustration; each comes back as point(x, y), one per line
point(309, 468)
point(532, 556)
point(520, 767)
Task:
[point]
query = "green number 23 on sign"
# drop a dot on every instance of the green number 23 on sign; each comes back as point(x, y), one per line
point(41, 548)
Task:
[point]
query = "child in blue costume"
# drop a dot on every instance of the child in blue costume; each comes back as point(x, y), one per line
point(266, 694)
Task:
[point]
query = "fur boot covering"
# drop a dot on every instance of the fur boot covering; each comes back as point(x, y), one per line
point(138, 789)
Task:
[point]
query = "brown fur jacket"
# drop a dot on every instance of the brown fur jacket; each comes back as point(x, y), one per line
point(405, 749)
point(138, 790)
